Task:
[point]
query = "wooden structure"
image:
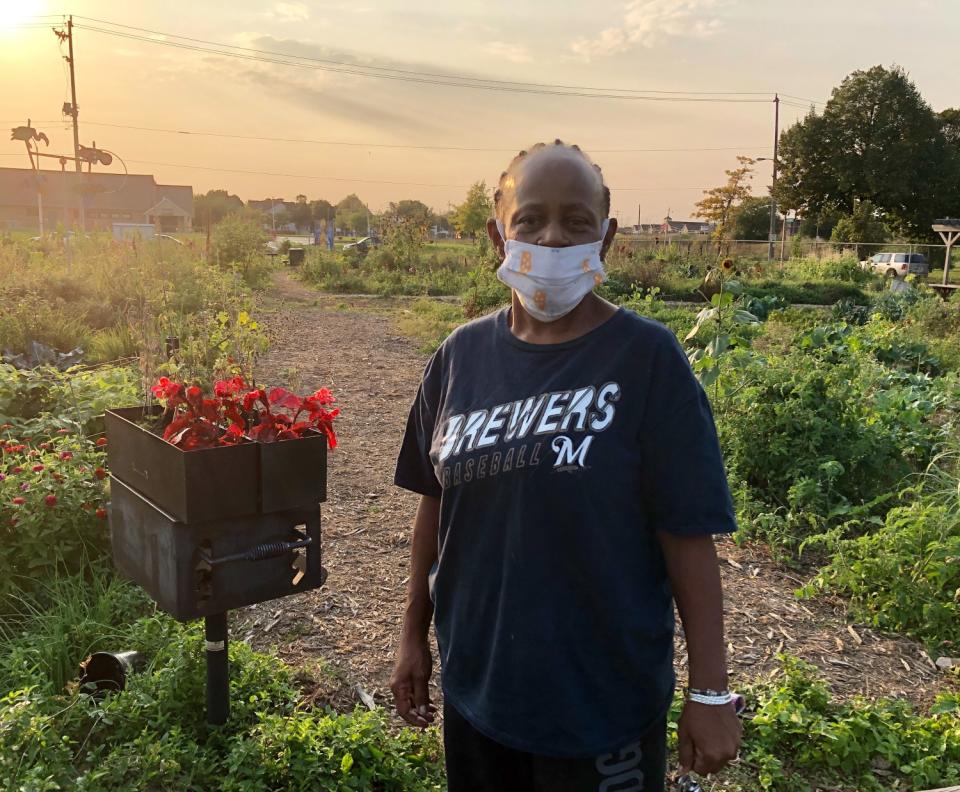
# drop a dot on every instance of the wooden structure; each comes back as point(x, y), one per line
point(949, 230)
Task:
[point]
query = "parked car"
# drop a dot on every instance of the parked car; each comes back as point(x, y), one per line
point(897, 265)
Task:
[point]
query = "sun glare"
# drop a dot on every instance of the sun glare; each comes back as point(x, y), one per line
point(15, 13)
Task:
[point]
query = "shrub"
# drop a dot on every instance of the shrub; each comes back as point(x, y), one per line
point(237, 240)
point(52, 507)
point(486, 293)
point(797, 734)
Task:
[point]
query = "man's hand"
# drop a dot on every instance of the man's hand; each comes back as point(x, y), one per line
point(708, 736)
point(410, 683)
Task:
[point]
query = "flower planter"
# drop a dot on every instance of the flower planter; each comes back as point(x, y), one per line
point(191, 486)
point(211, 567)
point(216, 483)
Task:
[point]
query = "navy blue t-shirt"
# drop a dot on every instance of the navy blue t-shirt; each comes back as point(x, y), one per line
point(555, 466)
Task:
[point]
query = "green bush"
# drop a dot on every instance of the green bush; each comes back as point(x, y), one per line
point(796, 739)
point(52, 507)
point(154, 735)
point(904, 575)
point(237, 239)
point(823, 433)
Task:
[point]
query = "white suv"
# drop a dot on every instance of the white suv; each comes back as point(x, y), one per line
point(898, 265)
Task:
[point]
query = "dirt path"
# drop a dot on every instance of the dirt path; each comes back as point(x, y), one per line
point(351, 625)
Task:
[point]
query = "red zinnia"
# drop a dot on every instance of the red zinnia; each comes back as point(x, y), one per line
point(100, 473)
point(50, 500)
point(19, 501)
point(102, 513)
point(65, 455)
point(101, 441)
point(37, 468)
point(17, 470)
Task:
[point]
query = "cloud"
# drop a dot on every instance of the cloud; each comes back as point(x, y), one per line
point(646, 22)
point(329, 102)
point(290, 12)
point(515, 53)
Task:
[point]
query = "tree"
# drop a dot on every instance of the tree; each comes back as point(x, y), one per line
point(301, 214)
point(322, 211)
point(862, 225)
point(352, 214)
point(470, 217)
point(719, 204)
point(407, 209)
point(751, 219)
point(214, 206)
point(950, 125)
point(876, 140)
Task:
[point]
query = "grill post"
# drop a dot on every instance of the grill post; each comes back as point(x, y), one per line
point(218, 670)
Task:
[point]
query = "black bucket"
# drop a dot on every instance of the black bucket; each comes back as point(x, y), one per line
point(108, 671)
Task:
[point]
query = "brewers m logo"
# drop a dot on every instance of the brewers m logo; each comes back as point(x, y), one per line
point(569, 458)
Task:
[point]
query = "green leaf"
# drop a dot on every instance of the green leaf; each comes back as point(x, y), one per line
point(346, 763)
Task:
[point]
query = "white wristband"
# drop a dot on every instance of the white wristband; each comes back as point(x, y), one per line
point(712, 701)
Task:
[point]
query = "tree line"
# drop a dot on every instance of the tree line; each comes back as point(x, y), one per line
point(350, 215)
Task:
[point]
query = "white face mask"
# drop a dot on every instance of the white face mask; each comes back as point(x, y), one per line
point(551, 281)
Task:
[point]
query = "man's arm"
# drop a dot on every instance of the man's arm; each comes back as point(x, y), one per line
point(411, 675)
point(709, 736)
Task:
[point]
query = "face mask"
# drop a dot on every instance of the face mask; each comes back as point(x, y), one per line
point(550, 281)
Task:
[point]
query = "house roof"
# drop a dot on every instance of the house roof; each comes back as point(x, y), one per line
point(101, 191)
point(166, 208)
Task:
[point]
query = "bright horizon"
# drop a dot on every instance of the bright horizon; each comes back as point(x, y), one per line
point(743, 46)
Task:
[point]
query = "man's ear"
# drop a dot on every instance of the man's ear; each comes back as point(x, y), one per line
point(494, 233)
point(608, 239)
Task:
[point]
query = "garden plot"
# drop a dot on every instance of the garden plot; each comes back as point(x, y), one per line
point(353, 623)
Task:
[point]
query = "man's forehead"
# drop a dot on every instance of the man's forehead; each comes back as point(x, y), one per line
point(548, 171)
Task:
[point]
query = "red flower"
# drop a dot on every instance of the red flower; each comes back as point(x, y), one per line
point(63, 431)
point(18, 501)
point(102, 513)
point(65, 455)
point(101, 441)
point(14, 449)
point(171, 392)
point(323, 396)
point(17, 470)
point(50, 500)
point(37, 468)
point(100, 473)
point(44, 446)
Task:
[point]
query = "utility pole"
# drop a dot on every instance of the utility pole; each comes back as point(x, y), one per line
point(73, 111)
point(773, 201)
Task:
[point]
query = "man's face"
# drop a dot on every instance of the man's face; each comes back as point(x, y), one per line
point(554, 198)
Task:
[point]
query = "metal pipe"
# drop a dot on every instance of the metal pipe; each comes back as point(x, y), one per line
point(218, 669)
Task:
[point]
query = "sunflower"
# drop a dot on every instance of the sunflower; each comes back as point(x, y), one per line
point(727, 264)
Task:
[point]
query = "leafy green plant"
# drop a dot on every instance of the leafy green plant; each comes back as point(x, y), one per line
point(52, 506)
point(796, 738)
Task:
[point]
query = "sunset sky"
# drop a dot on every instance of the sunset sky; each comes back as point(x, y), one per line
point(799, 49)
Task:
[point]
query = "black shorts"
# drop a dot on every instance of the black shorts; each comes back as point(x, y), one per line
point(475, 763)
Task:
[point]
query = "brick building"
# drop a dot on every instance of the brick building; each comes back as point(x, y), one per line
point(107, 198)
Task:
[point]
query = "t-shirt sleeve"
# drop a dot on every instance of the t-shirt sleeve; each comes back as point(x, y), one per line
point(684, 484)
point(414, 470)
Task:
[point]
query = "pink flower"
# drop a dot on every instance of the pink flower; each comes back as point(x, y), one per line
point(37, 468)
point(16, 470)
point(19, 501)
point(25, 487)
point(65, 455)
point(50, 500)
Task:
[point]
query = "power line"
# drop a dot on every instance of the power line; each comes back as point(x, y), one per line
point(451, 81)
point(392, 69)
point(420, 147)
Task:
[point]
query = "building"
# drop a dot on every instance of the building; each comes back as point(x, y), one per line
point(671, 226)
point(106, 198)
